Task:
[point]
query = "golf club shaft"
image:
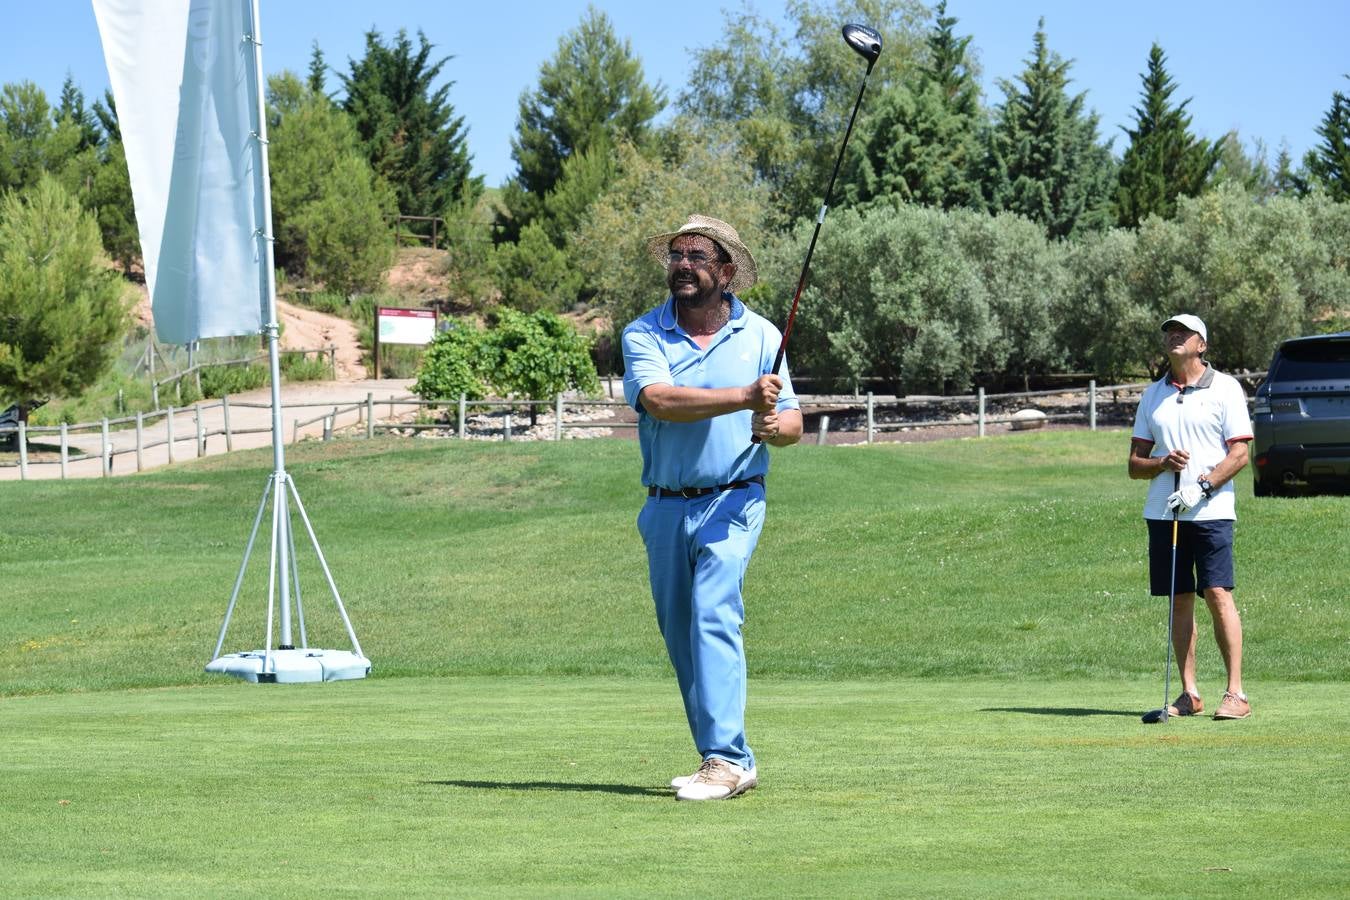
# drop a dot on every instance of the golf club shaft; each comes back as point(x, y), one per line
point(820, 220)
point(1171, 597)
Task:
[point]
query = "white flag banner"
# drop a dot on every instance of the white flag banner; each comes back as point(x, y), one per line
point(185, 84)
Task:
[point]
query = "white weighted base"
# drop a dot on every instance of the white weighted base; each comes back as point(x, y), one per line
point(291, 666)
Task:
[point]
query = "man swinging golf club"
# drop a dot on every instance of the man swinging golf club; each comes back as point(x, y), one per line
point(1190, 438)
point(698, 373)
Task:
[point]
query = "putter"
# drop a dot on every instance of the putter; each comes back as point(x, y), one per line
point(1156, 716)
point(866, 42)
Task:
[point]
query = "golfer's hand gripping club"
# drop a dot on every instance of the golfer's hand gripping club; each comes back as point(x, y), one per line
point(761, 396)
point(764, 425)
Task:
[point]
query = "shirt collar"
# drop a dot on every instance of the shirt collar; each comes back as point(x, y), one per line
point(1205, 380)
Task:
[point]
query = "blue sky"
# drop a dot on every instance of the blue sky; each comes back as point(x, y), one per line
point(1267, 70)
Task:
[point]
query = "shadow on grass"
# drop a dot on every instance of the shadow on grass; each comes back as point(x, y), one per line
point(1060, 711)
point(554, 786)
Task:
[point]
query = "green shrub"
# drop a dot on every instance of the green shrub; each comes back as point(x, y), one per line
point(217, 381)
point(1102, 322)
point(534, 357)
point(325, 301)
point(303, 367)
point(453, 365)
point(399, 360)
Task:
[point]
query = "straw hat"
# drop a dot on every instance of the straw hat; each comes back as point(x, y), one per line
point(725, 237)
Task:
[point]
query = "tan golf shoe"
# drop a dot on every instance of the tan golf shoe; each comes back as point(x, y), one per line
point(1234, 706)
point(717, 779)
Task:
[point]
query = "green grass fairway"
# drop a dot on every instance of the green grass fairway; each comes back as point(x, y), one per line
point(500, 786)
point(950, 646)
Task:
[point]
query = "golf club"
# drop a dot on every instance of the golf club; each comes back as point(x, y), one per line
point(866, 42)
point(1155, 716)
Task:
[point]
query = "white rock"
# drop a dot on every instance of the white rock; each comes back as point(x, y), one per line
point(1027, 419)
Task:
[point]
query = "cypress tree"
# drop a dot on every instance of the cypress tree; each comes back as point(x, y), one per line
point(1164, 160)
point(922, 143)
point(409, 129)
point(1043, 160)
point(592, 95)
point(318, 70)
point(948, 68)
point(72, 109)
point(1286, 179)
point(1328, 164)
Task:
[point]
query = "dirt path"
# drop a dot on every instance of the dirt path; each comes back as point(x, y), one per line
point(308, 328)
point(301, 329)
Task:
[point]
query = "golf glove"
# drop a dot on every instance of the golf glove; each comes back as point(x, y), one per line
point(1184, 499)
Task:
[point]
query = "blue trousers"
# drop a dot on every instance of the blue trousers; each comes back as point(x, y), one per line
point(697, 553)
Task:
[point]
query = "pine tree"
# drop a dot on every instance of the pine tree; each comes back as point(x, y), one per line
point(948, 66)
point(106, 113)
point(33, 140)
point(1287, 180)
point(1164, 160)
point(921, 143)
point(318, 70)
point(71, 109)
point(1043, 160)
point(61, 304)
point(410, 133)
point(1328, 164)
point(328, 208)
point(1236, 166)
point(591, 94)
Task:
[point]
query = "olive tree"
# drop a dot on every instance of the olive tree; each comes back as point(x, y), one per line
point(887, 296)
point(1243, 267)
point(653, 195)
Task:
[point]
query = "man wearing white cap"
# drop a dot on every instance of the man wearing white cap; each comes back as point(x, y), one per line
point(1190, 438)
point(697, 370)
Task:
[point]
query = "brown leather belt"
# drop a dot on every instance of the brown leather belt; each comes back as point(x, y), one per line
point(691, 493)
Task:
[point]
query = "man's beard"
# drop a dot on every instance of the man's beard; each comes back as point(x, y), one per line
point(701, 297)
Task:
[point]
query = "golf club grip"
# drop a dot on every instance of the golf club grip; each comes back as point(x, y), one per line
point(1176, 518)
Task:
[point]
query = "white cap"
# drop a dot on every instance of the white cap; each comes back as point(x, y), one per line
point(1189, 321)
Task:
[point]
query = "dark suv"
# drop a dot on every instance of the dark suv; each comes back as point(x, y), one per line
point(1302, 418)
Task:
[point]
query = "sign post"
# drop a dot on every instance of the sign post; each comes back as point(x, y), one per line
point(394, 325)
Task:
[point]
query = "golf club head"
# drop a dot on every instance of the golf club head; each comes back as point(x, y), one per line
point(866, 42)
point(1154, 716)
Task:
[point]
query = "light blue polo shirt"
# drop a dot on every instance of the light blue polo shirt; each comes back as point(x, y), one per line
point(656, 350)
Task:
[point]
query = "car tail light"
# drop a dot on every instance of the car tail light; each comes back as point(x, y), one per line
point(1261, 462)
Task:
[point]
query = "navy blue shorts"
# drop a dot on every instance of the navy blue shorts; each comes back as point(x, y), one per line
point(1204, 556)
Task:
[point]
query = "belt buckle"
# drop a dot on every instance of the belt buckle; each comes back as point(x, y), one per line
point(689, 493)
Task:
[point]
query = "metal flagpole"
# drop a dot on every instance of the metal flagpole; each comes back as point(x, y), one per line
point(287, 663)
